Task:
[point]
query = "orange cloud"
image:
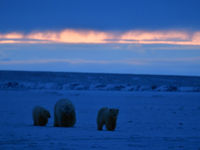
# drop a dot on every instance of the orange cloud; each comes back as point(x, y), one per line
point(21, 42)
point(156, 35)
point(71, 36)
point(13, 35)
point(160, 37)
point(43, 36)
point(196, 37)
point(99, 37)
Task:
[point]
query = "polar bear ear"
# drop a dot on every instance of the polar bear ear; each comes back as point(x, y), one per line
point(47, 114)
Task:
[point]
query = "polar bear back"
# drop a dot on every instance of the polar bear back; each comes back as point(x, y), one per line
point(103, 114)
point(64, 105)
point(64, 113)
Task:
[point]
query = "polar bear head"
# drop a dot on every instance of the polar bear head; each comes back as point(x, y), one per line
point(46, 114)
point(113, 113)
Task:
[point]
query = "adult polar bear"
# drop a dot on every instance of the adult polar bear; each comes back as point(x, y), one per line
point(64, 113)
point(40, 116)
point(107, 116)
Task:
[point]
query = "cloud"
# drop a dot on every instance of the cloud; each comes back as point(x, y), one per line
point(70, 61)
point(12, 35)
point(69, 36)
point(161, 37)
point(154, 36)
point(136, 62)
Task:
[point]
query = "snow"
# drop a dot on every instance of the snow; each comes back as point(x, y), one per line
point(155, 112)
point(96, 82)
point(147, 120)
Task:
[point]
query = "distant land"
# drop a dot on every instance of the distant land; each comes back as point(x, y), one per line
point(97, 81)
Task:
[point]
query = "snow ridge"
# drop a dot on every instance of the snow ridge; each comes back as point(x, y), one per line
point(97, 82)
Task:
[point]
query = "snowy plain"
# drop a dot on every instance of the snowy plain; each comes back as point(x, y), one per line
point(148, 120)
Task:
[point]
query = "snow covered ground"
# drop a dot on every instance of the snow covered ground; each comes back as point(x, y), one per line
point(146, 121)
point(97, 82)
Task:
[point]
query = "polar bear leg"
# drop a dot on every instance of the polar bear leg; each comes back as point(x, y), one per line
point(35, 123)
point(110, 125)
point(100, 125)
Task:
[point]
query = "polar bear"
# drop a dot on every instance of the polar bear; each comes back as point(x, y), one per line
point(40, 116)
point(64, 113)
point(107, 116)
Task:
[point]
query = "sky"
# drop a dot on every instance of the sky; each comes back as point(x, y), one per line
point(107, 36)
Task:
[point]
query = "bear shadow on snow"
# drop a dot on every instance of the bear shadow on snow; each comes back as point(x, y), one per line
point(107, 116)
point(40, 116)
point(64, 113)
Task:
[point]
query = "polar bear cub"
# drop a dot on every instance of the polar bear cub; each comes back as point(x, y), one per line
point(107, 116)
point(40, 116)
point(64, 113)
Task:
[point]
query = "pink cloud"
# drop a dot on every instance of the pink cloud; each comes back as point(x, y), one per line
point(13, 35)
point(101, 37)
point(153, 36)
point(71, 36)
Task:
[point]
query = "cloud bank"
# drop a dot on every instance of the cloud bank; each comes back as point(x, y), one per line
point(69, 36)
point(138, 62)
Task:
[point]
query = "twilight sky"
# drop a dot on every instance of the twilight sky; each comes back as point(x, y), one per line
point(114, 36)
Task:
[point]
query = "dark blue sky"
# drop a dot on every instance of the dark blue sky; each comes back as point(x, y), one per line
point(27, 15)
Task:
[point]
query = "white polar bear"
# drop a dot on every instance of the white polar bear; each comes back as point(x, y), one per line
point(40, 116)
point(107, 116)
point(64, 114)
